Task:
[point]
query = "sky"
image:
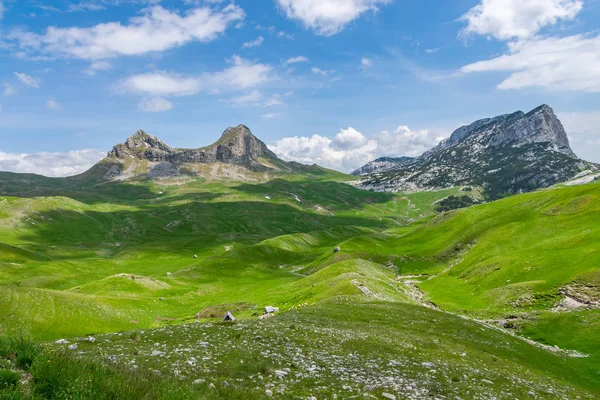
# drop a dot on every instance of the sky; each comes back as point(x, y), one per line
point(333, 82)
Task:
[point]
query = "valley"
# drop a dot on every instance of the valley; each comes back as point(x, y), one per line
point(379, 294)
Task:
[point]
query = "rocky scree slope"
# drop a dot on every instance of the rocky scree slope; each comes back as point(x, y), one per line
point(144, 154)
point(507, 154)
point(382, 164)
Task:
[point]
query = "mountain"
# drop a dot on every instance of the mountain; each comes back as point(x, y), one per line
point(237, 152)
point(507, 154)
point(382, 164)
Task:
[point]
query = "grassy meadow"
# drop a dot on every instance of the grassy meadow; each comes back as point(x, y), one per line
point(417, 303)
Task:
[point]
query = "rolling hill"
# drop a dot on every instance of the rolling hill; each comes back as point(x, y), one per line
point(379, 292)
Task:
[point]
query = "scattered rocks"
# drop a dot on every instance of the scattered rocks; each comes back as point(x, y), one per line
point(62, 341)
point(73, 346)
point(337, 249)
point(388, 396)
point(198, 381)
point(268, 393)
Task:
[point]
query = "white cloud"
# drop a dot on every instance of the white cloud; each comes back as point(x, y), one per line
point(28, 80)
point(327, 17)
point(569, 63)
point(86, 6)
point(270, 115)
point(405, 142)
point(295, 60)
point(508, 19)
point(162, 84)
point(366, 62)
point(431, 51)
point(51, 164)
point(97, 66)
point(9, 89)
point(158, 29)
point(257, 99)
point(52, 104)
point(251, 98)
point(350, 149)
point(154, 104)
point(348, 139)
point(322, 72)
point(1, 9)
point(254, 43)
point(242, 74)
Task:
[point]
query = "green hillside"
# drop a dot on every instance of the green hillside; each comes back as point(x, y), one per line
point(79, 258)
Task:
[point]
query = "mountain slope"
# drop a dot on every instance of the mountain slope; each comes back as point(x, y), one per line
point(382, 164)
point(507, 154)
point(238, 153)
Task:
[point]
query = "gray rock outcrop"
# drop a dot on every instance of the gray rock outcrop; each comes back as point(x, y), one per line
point(505, 155)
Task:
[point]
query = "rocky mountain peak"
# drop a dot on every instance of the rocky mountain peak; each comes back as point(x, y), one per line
point(147, 154)
point(239, 142)
point(506, 154)
point(240, 130)
point(141, 145)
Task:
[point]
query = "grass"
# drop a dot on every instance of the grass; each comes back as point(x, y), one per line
point(341, 349)
point(97, 260)
point(78, 259)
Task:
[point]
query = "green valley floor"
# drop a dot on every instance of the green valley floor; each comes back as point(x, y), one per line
point(499, 300)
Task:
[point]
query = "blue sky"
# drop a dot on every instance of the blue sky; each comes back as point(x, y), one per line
point(337, 82)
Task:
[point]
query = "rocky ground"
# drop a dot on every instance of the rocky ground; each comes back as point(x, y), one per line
point(303, 355)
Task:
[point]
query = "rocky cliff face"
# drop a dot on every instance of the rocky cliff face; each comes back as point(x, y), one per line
point(506, 154)
point(382, 164)
point(144, 154)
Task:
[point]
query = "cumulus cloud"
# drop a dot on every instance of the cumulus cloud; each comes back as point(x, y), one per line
point(569, 63)
point(51, 164)
point(254, 43)
point(366, 62)
point(242, 74)
point(508, 19)
point(156, 30)
point(28, 80)
point(350, 149)
point(327, 17)
point(154, 104)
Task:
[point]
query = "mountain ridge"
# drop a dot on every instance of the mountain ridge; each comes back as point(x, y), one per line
point(143, 154)
point(506, 154)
